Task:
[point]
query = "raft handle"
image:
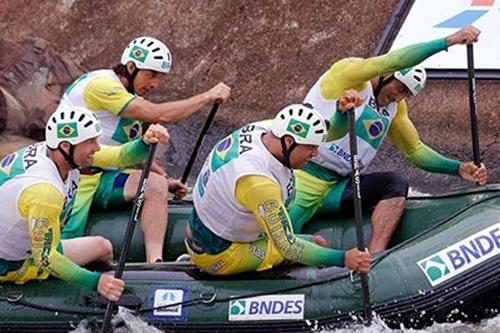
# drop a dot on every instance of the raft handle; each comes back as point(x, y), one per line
point(204, 298)
point(14, 297)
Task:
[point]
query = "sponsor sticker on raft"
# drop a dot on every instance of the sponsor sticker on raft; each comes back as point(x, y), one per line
point(269, 307)
point(165, 300)
point(461, 256)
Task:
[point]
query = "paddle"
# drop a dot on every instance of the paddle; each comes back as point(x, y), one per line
point(472, 104)
point(134, 217)
point(204, 130)
point(358, 215)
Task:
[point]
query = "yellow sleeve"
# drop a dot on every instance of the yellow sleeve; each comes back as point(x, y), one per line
point(262, 196)
point(103, 93)
point(402, 132)
point(41, 204)
point(343, 75)
point(353, 73)
point(405, 137)
point(125, 155)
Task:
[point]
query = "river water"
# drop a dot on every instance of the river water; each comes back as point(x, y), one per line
point(129, 323)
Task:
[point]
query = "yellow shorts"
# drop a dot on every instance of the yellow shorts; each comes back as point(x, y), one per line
point(27, 272)
point(259, 255)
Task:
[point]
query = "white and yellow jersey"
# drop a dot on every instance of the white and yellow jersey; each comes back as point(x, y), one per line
point(240, 154)
point(102, 91)
point(35, 202)
point(24, 169)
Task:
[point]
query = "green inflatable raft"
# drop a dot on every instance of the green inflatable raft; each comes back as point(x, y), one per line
point(443, 265)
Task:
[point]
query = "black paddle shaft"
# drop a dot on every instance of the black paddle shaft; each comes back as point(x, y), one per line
point(358, 215)
point(134, 217)
point(472, 104)
point(204, 130)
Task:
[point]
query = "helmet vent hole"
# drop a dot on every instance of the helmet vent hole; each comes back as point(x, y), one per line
point(290, 111)
point(142, 40)
point(300, 112)
point(150, 43)
point(54, 120)
point(62, 115)
point(316, 122)
point(417, 78)
point(72, 115)
point(158, 57)
point(49, 127)
point(156, 50)
point(282, 116)
point(318, 131)
point(327, 123)
point(90, 122)
point(309, 116)
point(81, 117)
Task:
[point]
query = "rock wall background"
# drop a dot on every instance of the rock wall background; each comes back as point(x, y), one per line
point(269, 51)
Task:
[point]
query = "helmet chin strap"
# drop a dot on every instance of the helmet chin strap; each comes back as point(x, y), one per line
point(287, 151)
point(69, 157)
point(382, 83)
point(130, 78)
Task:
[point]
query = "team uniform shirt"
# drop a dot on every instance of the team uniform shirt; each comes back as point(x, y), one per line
point(240, 154)
point(38, 203)
point(373, 123)
point(102, 91)
point(242, 195)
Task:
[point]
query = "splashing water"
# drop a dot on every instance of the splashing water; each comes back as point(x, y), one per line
point(491, 325)
point(134, 324)
point(125, 319)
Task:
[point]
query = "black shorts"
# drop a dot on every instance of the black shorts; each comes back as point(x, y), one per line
point(374, 187)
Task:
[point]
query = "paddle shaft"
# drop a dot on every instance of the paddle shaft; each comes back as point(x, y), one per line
point(472, 104)
point(358, 215)
point(134, 217)
point(197, 146)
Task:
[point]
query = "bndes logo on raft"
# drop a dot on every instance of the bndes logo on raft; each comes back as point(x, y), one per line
point(462, 256)
point(269, 307)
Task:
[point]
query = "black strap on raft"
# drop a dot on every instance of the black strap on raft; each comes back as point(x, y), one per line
point(287, 151)
point(69, 157)
point(18, 299)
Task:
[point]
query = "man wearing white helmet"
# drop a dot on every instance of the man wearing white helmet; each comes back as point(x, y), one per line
point(240, 221)
point(115, 95)
point(41, 180)
point(376, 87)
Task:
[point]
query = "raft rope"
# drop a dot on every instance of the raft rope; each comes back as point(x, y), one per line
point(211, 298)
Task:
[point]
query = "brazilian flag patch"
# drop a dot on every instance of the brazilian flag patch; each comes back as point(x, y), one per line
point(139, 54)
point(298, 127)
point(67, 130)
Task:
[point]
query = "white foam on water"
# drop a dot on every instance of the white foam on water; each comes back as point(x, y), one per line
point(415, 193)
point(491, 325)
point(131, 323)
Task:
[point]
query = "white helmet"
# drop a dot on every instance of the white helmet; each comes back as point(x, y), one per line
point(73, 125)
point(304, 124)
point(413, 78)
point(148, 53)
